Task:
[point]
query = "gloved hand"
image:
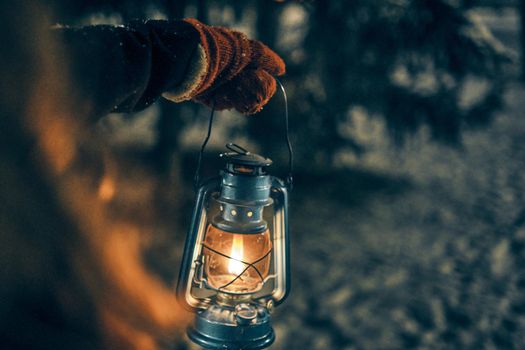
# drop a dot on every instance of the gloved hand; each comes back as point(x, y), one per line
point(237, 71)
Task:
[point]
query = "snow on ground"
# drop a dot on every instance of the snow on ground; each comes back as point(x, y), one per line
point(436, 264)
point(419, 247)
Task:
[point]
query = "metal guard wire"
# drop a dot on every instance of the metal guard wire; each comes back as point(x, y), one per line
point(289, 178)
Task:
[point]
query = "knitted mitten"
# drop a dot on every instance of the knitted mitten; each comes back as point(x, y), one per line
point(232, 71)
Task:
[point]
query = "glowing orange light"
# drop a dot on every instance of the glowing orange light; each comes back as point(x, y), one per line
point(235, 262)
point(235, 266)
point(106, 189)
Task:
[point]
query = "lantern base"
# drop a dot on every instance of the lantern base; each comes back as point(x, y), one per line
point(222, 327)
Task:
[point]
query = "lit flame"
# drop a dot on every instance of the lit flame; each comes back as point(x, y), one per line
point(235, 267)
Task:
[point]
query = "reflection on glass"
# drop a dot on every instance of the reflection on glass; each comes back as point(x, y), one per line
point(234, 262)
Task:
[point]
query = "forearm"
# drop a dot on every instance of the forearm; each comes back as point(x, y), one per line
point(126, 68)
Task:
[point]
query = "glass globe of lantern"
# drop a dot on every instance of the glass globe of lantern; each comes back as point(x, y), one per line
point(235, 262)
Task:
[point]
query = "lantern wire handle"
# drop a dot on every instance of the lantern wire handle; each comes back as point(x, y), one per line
point(196, 179)
point(289, 178)
point(239, 149)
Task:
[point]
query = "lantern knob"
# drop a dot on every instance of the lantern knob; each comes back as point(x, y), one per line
point(245, 314)
point(242, 161)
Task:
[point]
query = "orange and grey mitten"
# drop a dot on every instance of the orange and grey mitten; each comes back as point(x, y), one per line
point(230, 71)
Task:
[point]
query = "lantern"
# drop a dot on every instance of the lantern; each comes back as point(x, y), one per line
point(236, 267)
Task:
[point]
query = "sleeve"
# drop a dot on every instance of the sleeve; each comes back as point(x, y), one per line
point(126, 68)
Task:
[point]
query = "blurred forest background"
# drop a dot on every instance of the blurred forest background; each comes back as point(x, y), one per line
point(408, 216)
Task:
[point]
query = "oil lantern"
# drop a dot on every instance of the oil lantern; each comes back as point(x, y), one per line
point(236, 266)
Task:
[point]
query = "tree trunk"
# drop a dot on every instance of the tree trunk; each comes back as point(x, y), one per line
point(522, 38)
point(267, 21)
point(202, 11)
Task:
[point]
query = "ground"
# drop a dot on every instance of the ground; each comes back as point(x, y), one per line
point(427, 252)
point(421, 246)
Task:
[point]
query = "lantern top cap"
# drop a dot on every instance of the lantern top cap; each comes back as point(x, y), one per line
point(241, 156)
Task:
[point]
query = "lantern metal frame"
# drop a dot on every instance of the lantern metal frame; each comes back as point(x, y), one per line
point(280, 246)
point(232, 320)
point(226, 319)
